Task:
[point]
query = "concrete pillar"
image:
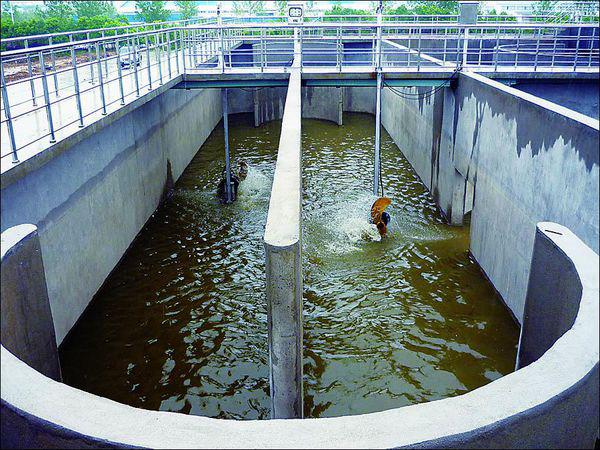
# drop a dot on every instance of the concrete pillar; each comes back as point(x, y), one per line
point(27, 329)
point(283, 245)
point(457, 211)
point(256, 100)
point(340, 92)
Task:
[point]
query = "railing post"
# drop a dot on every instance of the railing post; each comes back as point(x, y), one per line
point(419, 50)
point(554, 47)
point(157, 54)
point(120, 73)
point(47, 98)
point(537, 50)
point(576, 59)
point(591, 49)
point(100, 79)
point(135, 48)
point(53, 59)
point(90, 59)
point(148, 63)
point(30, 71)
point(105, 57)
point(76, 84)
point(182, 47)
point(9, 124)
point(168, 36)
point(496, 50)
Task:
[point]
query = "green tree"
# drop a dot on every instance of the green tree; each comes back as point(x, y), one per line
point(152, 11)
point(56, 8)
point(94, 8)
point(544, 7)
point(434, 7)
point(282, 7)
point(248, 8)
point(187, 9)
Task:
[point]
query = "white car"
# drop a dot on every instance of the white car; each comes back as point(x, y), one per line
point(129, 56)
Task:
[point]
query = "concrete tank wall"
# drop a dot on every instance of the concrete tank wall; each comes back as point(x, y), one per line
point(91, 198)
point(548, 403)
point(529, 160)
point(580, 97)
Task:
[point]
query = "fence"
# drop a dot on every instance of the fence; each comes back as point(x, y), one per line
point(59, 87)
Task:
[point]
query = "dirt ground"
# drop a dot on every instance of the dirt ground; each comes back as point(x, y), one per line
point(17, 70)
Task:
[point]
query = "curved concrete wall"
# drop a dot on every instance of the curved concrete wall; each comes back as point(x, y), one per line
point(551, 402)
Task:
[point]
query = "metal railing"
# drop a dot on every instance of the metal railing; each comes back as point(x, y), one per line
point(50, 91)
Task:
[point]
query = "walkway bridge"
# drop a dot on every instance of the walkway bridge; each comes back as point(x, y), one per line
point(52, 91)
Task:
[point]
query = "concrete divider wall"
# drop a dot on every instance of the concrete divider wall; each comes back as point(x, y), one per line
point(549, 403)
point(528, 160)
point(91, 198)
point(283, 265)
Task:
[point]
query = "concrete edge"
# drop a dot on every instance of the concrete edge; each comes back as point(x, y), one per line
point(527, 394)
point(546, 104)
point(13, 237)
point(283, 220)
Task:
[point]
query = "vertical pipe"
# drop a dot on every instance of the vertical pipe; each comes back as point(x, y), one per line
point(47, 98)
point(76, 84)
point(9, 124)
point(377, 136)
point(30, 71)
point(227, 161)
point(100, 78)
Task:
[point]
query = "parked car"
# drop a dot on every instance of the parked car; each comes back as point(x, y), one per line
point(129, 56)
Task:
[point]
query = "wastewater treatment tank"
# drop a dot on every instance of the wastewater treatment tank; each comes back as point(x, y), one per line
point(181, 324)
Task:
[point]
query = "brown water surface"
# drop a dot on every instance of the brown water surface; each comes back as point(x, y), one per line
point(181, 323)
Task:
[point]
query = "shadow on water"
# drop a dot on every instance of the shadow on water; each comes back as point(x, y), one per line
point(181, 323)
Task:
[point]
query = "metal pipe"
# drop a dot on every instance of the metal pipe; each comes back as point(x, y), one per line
point(100, 78)
point(148, 64)
point(576, 59)
point(157, 54)
point(227, 161)
point(30, 71)
point(9, 124)
point(76, 84)
point(377, 159)
point(53, 59)
point(90, 60)
point(135, 50)
point(168, 35)
point(47, 99)
point(105, 56)
point(120, 73)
